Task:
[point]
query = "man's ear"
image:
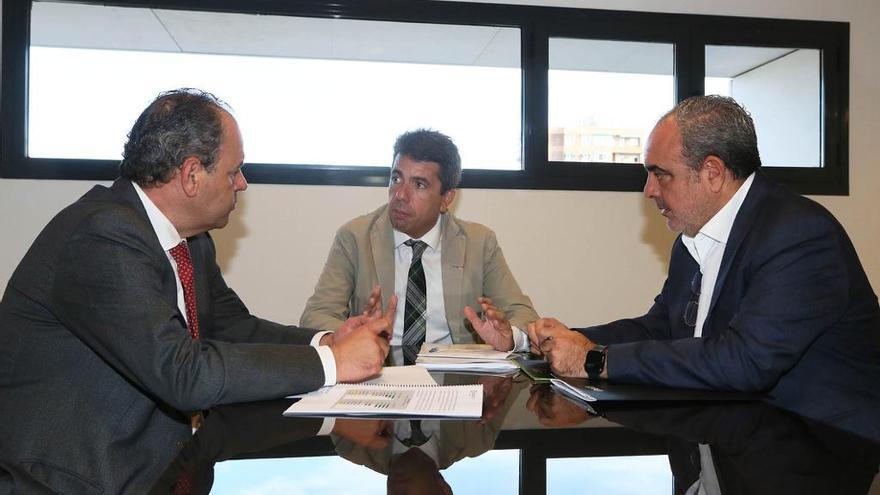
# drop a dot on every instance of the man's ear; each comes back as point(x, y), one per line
point(189, 175)
point(715, 171)
point(448, 197)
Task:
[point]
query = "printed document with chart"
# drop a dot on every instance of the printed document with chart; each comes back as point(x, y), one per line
point(441, 401)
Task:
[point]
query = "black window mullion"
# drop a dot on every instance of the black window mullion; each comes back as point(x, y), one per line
point(690, 65)
point(535, 56)
point(13, 98)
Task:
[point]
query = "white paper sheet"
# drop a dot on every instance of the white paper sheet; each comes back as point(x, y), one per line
point(456, 401)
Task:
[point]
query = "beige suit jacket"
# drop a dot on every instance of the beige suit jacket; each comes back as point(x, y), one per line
point(362, 256)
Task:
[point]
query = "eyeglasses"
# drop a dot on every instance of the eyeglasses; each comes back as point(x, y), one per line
point(690, 311)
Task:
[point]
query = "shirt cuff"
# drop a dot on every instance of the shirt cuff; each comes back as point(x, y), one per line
point(316, 339)
point(326, 427)
point(520, 340)
point(329, 364)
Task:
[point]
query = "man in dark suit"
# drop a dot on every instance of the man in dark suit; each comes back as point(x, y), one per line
point(117, 325)
point(765, 292)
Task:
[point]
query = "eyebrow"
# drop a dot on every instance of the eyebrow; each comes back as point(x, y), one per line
point(412, 177)
point(654, 168)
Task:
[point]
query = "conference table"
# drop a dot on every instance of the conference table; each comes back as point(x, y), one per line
point(529, 440)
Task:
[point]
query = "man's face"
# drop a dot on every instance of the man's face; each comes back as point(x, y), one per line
point(225, 180)
point(679, 191)
point(414, 198)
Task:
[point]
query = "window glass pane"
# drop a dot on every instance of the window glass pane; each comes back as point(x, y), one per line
point(304, 90)
point(781, 88)
point(636, 475)
point(493, 472)
point(605, 97)
point(295, 475)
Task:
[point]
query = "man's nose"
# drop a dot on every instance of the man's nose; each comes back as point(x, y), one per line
point(650, 189)
point(401, 192)
point(240, 182)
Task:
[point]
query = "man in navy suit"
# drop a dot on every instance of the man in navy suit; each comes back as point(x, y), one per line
point(765, 292)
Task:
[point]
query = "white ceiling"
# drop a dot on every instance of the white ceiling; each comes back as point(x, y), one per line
point(125, 28)
point(731, 61)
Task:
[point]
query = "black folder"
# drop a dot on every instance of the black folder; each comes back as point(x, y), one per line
point(600, 390)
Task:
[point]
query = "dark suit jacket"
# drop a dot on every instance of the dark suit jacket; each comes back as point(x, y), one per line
point(792, 314)
point(96, 365)
point(757, 448)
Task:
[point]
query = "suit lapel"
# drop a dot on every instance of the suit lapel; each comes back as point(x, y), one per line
point(382, 245)
point(124, 190)
point(452, 258)
point(745, 218)
point(200, 254)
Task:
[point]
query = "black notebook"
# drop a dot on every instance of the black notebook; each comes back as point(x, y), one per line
point(599, 390)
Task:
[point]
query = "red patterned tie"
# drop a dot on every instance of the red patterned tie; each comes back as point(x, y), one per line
point(180, 253)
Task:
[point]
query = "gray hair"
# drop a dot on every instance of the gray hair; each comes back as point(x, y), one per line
point(718, 126)
point(178, 124)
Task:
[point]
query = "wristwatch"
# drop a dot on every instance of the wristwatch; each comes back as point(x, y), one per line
point(595, 362)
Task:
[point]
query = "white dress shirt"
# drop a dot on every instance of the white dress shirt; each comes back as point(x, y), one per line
point(169, 237)
point(436, 327)
point(707, 248)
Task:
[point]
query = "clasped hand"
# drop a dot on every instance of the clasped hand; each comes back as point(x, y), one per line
point(361, 344)
point(565, 349)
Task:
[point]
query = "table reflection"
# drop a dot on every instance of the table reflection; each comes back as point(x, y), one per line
point(734, 447)
point(417, 450)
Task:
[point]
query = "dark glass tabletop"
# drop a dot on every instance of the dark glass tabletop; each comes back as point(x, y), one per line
point(530, 440)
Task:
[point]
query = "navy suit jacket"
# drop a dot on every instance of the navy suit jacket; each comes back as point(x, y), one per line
point(756, 448)
point(792, 315)
point(97, 369)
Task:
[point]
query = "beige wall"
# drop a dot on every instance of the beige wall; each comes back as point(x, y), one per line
point(585, 257)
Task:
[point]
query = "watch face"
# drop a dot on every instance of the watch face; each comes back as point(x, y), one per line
point(595, 362)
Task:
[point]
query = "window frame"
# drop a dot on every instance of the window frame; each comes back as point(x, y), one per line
point(688, 33)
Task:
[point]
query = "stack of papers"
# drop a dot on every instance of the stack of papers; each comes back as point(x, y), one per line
point(402, 375)
point(481, 358)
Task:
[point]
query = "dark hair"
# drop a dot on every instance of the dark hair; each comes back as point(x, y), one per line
point(178, 124)
point(719, 126)
point(426, 145)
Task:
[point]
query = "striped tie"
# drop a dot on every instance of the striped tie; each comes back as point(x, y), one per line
point(416, 304)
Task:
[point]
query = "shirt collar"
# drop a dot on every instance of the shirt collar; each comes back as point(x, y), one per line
point(718, 228)
point(431, 237)
point(165, 230)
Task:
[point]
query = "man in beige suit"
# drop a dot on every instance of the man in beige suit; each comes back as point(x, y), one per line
point(464, 270)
